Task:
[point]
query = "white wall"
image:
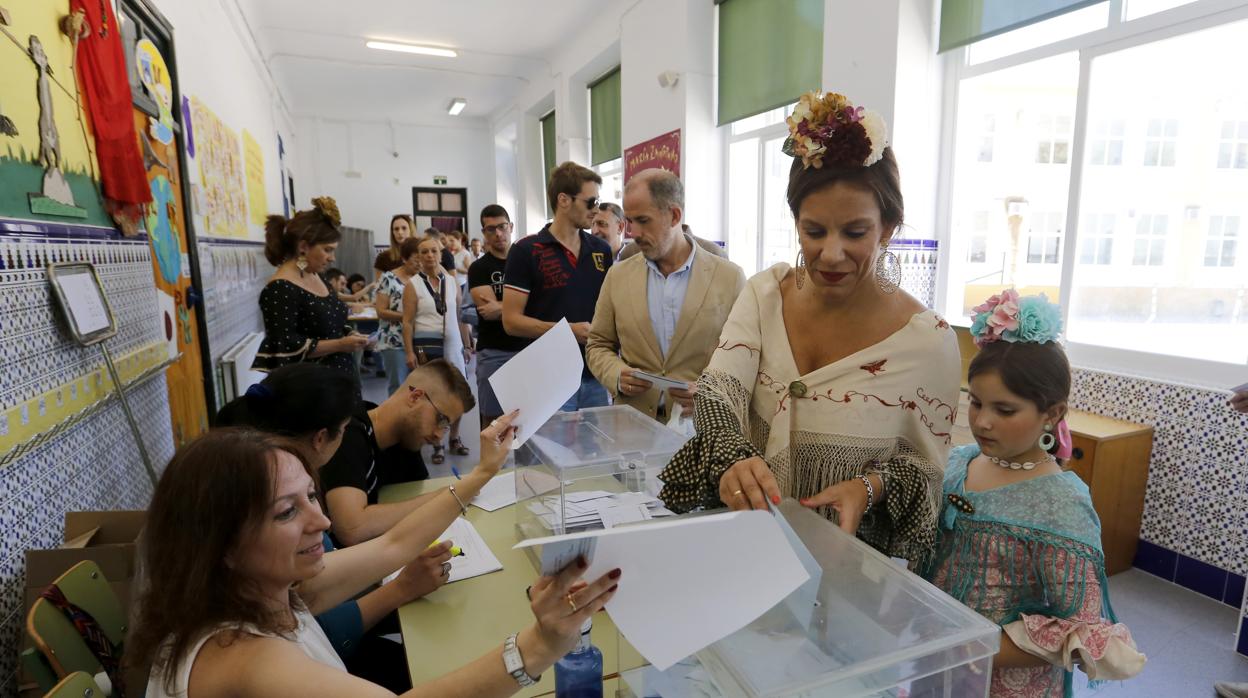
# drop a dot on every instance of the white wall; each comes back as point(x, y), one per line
point(389, 160)
point(217, 62)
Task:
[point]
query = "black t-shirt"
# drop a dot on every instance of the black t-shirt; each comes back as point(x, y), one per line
point(488, 271)
point(362, 464)
point(558, 286)
point(448, 260)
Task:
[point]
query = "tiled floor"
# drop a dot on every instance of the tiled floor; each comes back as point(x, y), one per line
point(1189, 639)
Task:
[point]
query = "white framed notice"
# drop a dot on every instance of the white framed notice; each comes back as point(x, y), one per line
point(78, 291)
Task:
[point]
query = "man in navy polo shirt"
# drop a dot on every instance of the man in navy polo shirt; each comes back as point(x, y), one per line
point(558, 272)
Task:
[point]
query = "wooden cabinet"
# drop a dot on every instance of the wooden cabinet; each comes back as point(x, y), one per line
point(1112, 458)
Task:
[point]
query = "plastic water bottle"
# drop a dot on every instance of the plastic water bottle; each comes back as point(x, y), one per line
point(579, 673)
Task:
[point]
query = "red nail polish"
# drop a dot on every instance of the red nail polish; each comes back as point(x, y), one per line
point(613, 588)
point(614, 574)
point(580, 562)
point(775, 499)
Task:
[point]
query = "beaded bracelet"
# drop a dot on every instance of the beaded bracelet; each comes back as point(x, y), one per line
point(870, 493)
point(463, 509)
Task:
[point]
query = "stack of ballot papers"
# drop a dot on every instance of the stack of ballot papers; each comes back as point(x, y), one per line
point(499, 492)
point(597, 509)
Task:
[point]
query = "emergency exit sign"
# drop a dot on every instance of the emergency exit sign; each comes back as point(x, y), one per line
point(439, 179)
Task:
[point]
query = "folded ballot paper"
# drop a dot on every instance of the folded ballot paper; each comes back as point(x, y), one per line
point(686, 582)
point(596, 509)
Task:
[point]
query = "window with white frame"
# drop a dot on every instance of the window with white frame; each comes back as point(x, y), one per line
point(1150, 239)
point(1160, 142)
point(612, 173)
point(1220, 246)
point(1053, 139)
point(1141, 277)
point(978, 249)
point(989, 138)
point(1107, 139)
point(1096, 239)
point(760, 227)
point(1044, 237)
point(1233, 146)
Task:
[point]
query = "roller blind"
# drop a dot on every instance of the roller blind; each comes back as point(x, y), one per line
point(964, 22)
point(604, 118)
point(548, 146)
point(770, 52)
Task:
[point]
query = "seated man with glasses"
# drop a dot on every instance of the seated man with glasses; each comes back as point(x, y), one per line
point(381, 445)
point(558, 272)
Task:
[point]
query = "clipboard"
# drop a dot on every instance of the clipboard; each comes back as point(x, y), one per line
point(80, 295)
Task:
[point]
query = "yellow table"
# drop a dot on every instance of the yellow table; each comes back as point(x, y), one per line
point(464, 620)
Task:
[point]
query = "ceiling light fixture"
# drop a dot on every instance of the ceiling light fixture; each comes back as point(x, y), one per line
point(456, 106)
point(412, 48)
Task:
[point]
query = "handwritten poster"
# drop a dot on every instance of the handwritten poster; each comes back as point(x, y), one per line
point(257, 201)
point(662, 152)
point(219, 153)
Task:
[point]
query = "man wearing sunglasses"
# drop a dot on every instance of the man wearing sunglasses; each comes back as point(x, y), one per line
point(381, 445)
point(558, 272)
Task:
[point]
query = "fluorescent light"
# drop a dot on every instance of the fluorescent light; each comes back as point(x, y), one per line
point(412, 48)
point(456, 106)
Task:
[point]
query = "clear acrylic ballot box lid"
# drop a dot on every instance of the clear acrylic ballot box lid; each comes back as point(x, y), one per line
point(581, 463)
point(862, 626)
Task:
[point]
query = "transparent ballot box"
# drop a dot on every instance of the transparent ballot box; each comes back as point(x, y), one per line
point(862, 626)
point(584, 468)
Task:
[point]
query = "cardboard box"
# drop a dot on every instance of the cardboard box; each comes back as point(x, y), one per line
point(105, 537)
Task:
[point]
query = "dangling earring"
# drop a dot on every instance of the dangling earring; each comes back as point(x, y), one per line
point(302, 264)
point(1047, 440)
point(888, 271)
point(799, 274)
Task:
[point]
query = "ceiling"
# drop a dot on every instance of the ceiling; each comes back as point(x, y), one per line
point(316, 51)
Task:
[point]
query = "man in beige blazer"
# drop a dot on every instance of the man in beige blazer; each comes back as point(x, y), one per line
point(660, 311)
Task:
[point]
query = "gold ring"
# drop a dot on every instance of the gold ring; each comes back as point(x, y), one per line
point(572, 604)
point(737, 493)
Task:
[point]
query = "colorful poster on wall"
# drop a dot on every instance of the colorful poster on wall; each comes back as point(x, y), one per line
point(257, 201)
point(219, 152)
point(154, 75)
point(662, 152)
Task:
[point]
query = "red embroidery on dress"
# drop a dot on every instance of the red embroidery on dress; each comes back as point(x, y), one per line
point(724, 346)
point(875, 367)
point(941, 324)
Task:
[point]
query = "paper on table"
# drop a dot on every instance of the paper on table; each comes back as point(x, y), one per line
point(539, 379)
point(687, 582)
point(477, 559)
point(661, 382)
point(499, 492)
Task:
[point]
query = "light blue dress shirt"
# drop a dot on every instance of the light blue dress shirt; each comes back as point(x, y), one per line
point(665, 296)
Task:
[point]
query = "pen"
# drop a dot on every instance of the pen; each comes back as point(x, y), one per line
point(455, 472)
point(456, 551)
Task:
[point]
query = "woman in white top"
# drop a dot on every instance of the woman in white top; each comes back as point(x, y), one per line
point(431, 327)
point(238, 570)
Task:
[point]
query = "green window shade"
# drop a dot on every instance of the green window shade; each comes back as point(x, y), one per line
point(770, 52)
point(964, 22)
point(548, 146)
point(604, 118)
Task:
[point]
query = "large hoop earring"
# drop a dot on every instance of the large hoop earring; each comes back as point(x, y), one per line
point(302, 264)
point(1047, 439)
point(799, 274)
point(888, 271)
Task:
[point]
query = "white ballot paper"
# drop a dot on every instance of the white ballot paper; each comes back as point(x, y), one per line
point(661, 382)
point(477, 559)
point(499, 492)
point(539, 379)
point(686, 583)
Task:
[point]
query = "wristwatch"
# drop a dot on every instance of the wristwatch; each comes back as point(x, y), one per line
point(514, 663)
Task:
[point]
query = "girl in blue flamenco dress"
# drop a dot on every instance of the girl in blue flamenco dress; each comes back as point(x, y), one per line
point(1018, 539)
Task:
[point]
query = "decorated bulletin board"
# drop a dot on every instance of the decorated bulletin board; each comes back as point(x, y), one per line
point(219, 151)
point(257, 201)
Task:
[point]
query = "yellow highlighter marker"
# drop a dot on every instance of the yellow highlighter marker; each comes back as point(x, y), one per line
point(456, 551)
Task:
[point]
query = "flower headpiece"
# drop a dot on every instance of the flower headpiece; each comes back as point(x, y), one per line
point(829, 129)
point(1008, 318)
point(328, 208)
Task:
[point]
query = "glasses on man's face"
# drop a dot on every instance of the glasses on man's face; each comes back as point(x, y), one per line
point(590, 204)
point(493, 229)
point(443, 421)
